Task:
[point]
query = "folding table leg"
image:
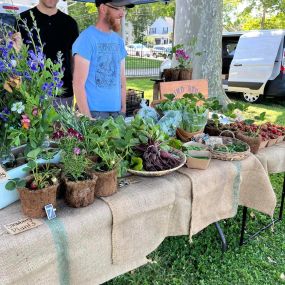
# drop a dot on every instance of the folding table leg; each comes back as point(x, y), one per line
point(221, 234)
point(244, 217)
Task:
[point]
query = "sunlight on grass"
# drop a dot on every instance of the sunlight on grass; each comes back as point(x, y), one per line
point(143, 84)
point(274, 114)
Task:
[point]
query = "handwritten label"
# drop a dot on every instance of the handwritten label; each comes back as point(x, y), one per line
point(22, 226)
point(179, 88)
point(3, 174)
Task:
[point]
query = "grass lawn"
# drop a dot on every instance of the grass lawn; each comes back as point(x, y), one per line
point(142, 62)
point(144, 84)
point(178, 262)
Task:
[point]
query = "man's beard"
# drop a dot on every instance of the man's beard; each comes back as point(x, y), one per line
point(114, 24)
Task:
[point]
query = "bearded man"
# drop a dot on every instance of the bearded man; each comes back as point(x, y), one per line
point(58, 32)
point(99, 81)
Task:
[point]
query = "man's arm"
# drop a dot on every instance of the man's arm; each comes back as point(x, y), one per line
point(123, 88)
point(80, 74)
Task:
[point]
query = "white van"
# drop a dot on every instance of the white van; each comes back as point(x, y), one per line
point(253, 63)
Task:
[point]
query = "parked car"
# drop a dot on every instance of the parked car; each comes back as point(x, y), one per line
point(254, 64)
point(138, 50)
point(161, 51)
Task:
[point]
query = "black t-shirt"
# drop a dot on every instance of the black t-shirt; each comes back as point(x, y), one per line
point(58, 32)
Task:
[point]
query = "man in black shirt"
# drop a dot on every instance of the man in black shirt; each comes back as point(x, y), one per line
point(58, 32)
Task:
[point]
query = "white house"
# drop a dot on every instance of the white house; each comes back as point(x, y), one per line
point(161, 30)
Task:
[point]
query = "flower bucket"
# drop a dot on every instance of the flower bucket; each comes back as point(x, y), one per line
point(185, 74)
point(34, 201)
point(80, 193)
point(107, 183)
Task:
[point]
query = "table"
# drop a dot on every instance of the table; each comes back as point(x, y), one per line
point(273, 161)
point(112, 236)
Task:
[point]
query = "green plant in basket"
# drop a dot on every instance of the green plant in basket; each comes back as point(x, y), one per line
point(43, 175)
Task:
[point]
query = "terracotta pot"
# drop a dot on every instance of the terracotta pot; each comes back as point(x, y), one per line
point(107, 183)
point(185, 74)
point(80, 193)
point(34, 201)
point(253, 142)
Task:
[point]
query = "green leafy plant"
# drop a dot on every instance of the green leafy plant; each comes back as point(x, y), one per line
point(43, 175)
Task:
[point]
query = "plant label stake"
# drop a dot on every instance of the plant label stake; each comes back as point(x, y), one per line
point(50, 211)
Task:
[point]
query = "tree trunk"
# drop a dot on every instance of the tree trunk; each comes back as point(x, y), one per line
point(203, 19)
point(263, 19)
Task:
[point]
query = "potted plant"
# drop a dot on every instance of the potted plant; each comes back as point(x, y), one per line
point(39, 188)
point(107, 167)
point(78, 181)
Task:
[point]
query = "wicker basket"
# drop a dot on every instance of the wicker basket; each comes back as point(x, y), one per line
point(229, 156)
point(186, 136)
point(162, 172)
point(253, 142)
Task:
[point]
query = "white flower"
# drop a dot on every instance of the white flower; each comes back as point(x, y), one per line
point(13, 62)
point(18, 107)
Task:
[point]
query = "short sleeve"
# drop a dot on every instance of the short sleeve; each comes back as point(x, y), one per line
point(82, 46)
point(123, 52)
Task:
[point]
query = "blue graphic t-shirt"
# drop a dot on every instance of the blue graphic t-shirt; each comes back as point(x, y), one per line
point(105, 52)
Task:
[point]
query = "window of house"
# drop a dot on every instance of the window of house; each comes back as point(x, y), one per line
point(152, 30)
point(165, 30)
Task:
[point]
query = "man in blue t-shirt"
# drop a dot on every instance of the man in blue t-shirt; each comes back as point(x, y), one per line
point(99, 81)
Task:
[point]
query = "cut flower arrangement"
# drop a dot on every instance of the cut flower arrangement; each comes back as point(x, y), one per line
point(28, 83)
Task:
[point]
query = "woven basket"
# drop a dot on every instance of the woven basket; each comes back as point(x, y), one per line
point(186, 136)
point(106, 184)
point(253, 142)
point(162, 172)
point(34, 201)
point(80, 193)
point(229, 156)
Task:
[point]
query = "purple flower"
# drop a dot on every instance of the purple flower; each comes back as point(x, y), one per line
point(36, 60)
point(76, 151)
point(60, 84)
point(27, 75)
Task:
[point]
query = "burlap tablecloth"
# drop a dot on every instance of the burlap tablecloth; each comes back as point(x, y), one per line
point(273, 158)
point(94, 244)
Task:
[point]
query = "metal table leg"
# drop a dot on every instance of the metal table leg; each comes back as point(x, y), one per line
point(244, 218)
point(221, 234)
